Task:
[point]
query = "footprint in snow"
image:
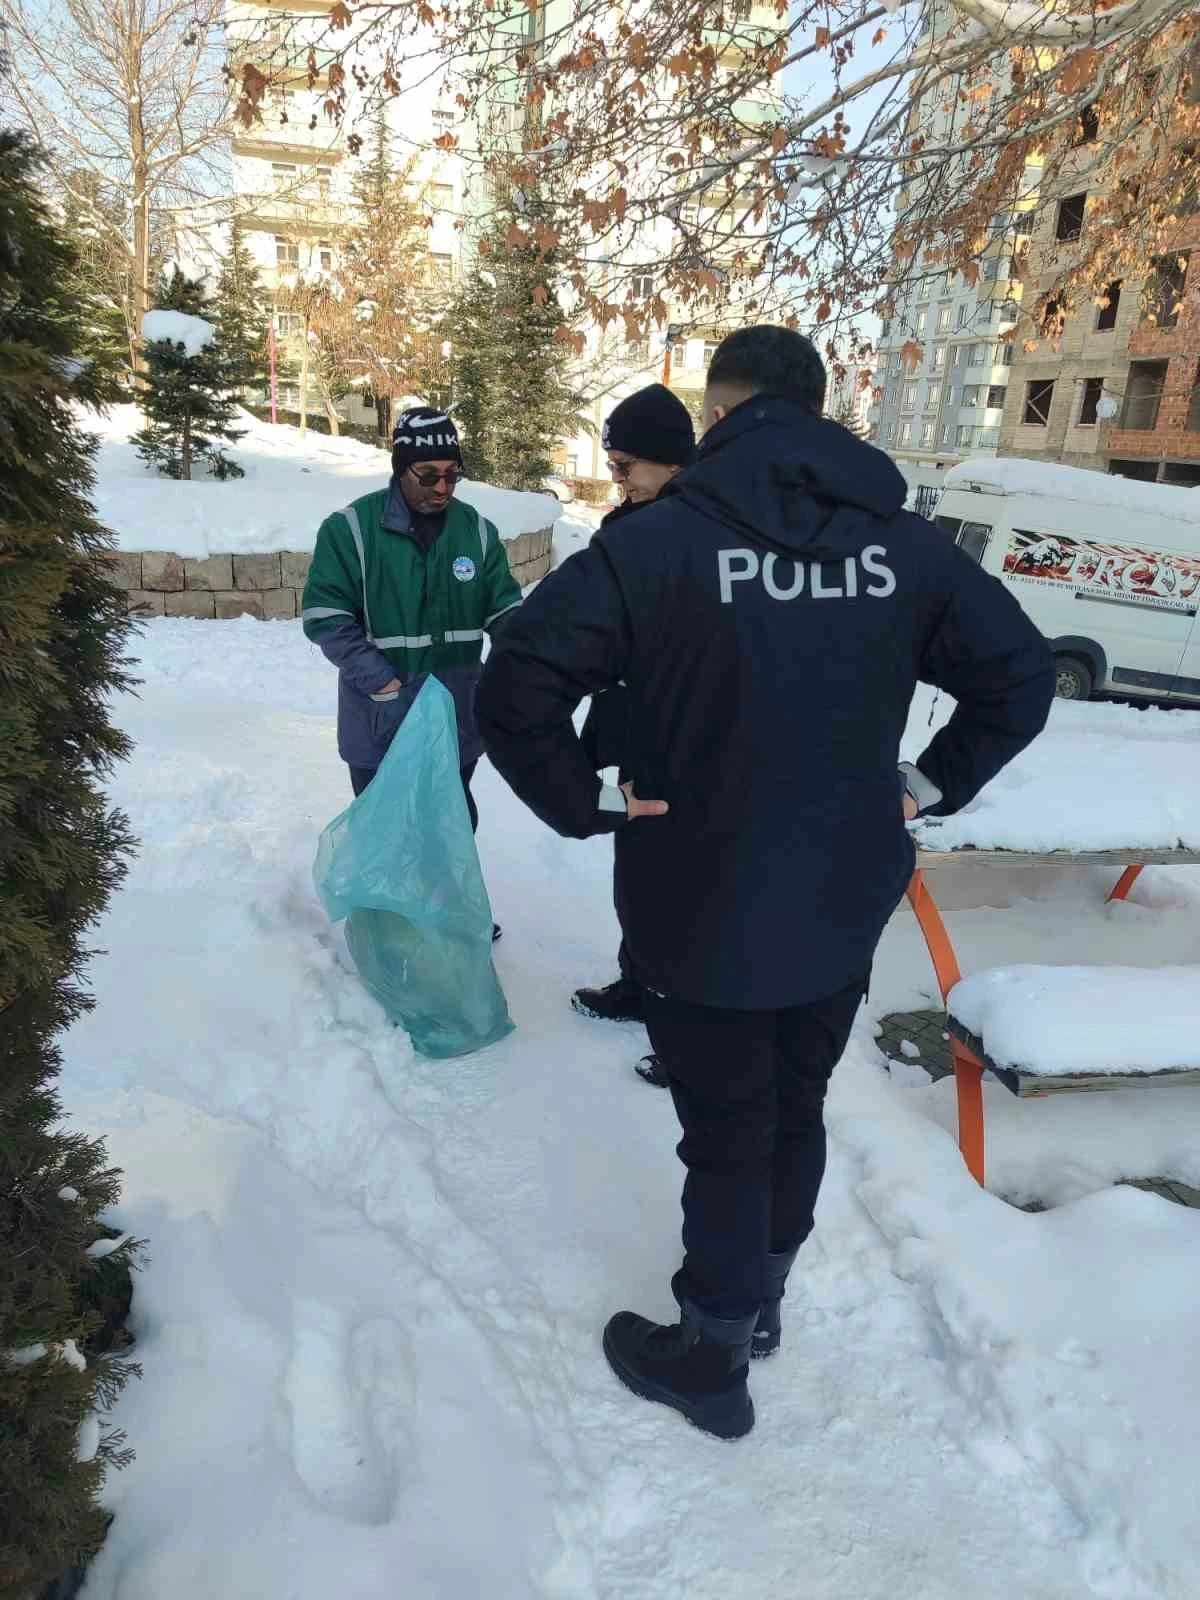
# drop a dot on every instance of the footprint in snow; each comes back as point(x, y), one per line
point(349, 1394)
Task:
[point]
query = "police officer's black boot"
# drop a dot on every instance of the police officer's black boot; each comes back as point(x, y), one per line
point(697, 1366)
point(615, 1002)
point(768, 1332)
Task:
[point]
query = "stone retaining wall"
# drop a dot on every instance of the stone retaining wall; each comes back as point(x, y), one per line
point(269, 586)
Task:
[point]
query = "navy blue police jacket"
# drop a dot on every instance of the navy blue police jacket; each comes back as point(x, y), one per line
point(771, 615)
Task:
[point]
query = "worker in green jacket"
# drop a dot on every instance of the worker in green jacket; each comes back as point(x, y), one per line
point(403, 584)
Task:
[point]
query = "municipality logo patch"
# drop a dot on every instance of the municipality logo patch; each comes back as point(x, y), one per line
point(464, 569)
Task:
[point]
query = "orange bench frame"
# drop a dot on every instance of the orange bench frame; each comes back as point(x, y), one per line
point(968, 1068)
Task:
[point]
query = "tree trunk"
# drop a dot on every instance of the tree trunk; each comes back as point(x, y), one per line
point(304, 383)
point(185, 453)
point(140, 168)
point(331, 416)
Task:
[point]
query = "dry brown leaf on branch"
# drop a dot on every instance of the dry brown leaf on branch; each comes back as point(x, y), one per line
point(911, 355)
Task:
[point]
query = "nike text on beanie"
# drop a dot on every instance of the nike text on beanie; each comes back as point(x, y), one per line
point(423, 434)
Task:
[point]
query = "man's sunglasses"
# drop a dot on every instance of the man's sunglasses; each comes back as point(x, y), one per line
point(621, 469)
point(430, 477)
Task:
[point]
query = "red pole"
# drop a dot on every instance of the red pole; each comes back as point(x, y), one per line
point(274, 380)
point(666, 377)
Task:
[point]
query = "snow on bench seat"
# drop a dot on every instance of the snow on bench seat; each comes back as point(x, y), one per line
point(1048, 1029)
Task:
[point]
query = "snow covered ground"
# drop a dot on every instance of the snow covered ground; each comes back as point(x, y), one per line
point(291, 485)
point(370, 1318)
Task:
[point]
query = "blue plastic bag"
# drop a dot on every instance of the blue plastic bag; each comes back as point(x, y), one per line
point(401, 867)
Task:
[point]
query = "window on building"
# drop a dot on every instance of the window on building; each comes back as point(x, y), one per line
point(1088, 130)
point(885, 327)
point(925, 288)
point(970, 395)
point(922, 323)
point(283, 175)
point(979, 355)
point(1143, 394)
point(1054, 317)
point(939, 358)
point(288, 324)
point(1038, 398)
point(894, 365)
point(287, 252)
point(891, 431)
point(906, 433)
point(441, 196)
point(991, 269)
point(965, 439)
point(1093, 388)
point(1165, 288)
point(1004, 354)
point(742, 10)
point(643, 286)
point(711, 346)
point(908, 397)
point(1068, 224)
point(961, 319)
point(995, 397)
point(1008, 310)
point(441, 268)
point(1193, 412)
point(323, 178)
point(943, 319)
point(927, 432)
point(443, 121)
point(368, 400)
point(325, 255)
point(932, 396)
point(944, 433)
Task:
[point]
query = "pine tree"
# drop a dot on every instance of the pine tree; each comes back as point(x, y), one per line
point(511, 370)
point(240, 305)
point(92, 221)
point(189, 400)
point(63, 630)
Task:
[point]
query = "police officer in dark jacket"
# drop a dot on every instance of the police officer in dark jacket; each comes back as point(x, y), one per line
point(771, 615)
point(649, 438)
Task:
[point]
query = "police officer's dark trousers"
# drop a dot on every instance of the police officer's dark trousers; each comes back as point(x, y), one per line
point(749, 1089)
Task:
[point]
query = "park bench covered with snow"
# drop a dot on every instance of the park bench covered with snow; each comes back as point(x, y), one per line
point(1044, 1030)
point(1064, 1045)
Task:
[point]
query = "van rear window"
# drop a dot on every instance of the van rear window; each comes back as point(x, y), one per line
point(951, 524)
point(974, 539)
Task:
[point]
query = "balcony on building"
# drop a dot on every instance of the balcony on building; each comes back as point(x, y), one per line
point(293, 140)
point(308, 8)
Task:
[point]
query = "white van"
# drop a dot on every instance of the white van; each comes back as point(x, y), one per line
point(1108, 568)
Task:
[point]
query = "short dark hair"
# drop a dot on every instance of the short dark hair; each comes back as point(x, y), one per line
point(773, 361)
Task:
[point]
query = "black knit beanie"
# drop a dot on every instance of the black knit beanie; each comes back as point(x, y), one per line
point(423, 434)
point(653, 425)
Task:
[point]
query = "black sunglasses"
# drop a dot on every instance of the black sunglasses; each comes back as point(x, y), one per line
point(430, 477)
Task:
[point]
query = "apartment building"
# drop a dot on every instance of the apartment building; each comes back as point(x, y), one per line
point(293, 193)
point(1120, 392)
point(625, 367)
point(948, 403)
point(293, 171)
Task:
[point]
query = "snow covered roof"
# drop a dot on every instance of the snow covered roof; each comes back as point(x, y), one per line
point(176, 327)
point(1012, 476)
